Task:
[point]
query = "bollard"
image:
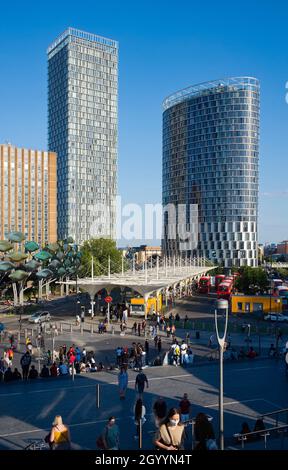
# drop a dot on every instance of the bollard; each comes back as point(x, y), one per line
point(81, 329)
point(91, 329)
point(140, 433)
point(71, 327)
point(113, 330)
point(98, 395)
point(61, 328)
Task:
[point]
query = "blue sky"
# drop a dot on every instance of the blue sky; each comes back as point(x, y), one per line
point(164, 46)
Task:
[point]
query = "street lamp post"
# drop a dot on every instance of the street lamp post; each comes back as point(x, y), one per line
point(222, 304)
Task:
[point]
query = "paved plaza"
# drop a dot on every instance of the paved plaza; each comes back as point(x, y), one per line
point(251, 389)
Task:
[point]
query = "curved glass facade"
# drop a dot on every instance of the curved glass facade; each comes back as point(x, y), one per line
point(210, 158)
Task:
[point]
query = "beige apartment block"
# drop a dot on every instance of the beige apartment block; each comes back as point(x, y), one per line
point(28, 193)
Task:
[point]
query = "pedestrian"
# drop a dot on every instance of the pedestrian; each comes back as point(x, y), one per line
point(54, 370)
point(84, 355)
point(134, 328)
point(168, 331)
point(159, 410)
point(185, 408)
point(123, 382)
point(110, 437)
point(140, 381)
point(139, 416)
point(60, 435)
point(45, 372)
point(159, 344)
point(204, 433)
point(171, 433)
point(139, 329)
point(25, 362)
point(183, 348)
point(176, 353)
point(16, 374)
point(146, 346)
point(33, 373)
point(156, 341)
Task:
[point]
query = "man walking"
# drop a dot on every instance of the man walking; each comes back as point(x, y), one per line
point(25, 364)
point(140, 381)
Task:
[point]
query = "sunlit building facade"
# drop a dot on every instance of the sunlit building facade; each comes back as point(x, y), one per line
point(210, 159)
point(28, 193)
point(82, 129)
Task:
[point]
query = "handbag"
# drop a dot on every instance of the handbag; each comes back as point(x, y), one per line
point(211, 444)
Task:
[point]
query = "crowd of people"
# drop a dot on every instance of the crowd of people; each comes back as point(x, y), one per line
point(170, 425)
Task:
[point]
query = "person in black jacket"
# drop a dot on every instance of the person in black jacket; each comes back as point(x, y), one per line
point(203, 431)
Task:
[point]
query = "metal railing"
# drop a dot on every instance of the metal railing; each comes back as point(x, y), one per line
point(276, 413)
point(252, 436)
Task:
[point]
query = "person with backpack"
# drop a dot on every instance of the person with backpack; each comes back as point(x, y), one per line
point(140, 381)
point(176, 354)
point(25, 362)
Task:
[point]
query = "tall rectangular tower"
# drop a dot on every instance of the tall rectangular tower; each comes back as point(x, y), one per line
point(82, 129)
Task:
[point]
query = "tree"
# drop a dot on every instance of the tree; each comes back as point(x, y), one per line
point(252, 281)
point(101, 249)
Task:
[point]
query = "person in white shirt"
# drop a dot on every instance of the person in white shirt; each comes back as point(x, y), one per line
point(184, 348)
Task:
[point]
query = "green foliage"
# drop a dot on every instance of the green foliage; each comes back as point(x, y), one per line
point(252, 281)
point(100, 249)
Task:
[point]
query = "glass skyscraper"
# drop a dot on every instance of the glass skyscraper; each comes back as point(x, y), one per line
point(210, 158)
point(82, 130)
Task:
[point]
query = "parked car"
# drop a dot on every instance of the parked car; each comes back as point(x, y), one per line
point(39, 317)
point(275, 317)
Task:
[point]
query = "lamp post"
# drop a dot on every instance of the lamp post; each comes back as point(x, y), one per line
point(222, 304)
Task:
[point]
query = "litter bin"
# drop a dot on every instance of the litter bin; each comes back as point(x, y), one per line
point(197, 334)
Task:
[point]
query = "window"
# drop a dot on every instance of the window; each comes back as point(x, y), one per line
point(240, 306)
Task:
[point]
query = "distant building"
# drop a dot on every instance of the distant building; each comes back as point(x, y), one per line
point(28, 193)
point(141, 253)
point(145, 252)
point(282, 248)
point(270, 249)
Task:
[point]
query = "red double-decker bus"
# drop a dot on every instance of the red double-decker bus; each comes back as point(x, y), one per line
point(218, 279)
point(204, 284)
point(225, 288)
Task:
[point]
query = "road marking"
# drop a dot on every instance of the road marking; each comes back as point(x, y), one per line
point(234, 402)
point(251, 368)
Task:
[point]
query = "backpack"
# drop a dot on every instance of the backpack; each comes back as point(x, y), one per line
point(177, 351)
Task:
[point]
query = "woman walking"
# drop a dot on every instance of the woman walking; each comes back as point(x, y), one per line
point(123, 382)
point(139, 416)
point(59, 435)
point(170, 435)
